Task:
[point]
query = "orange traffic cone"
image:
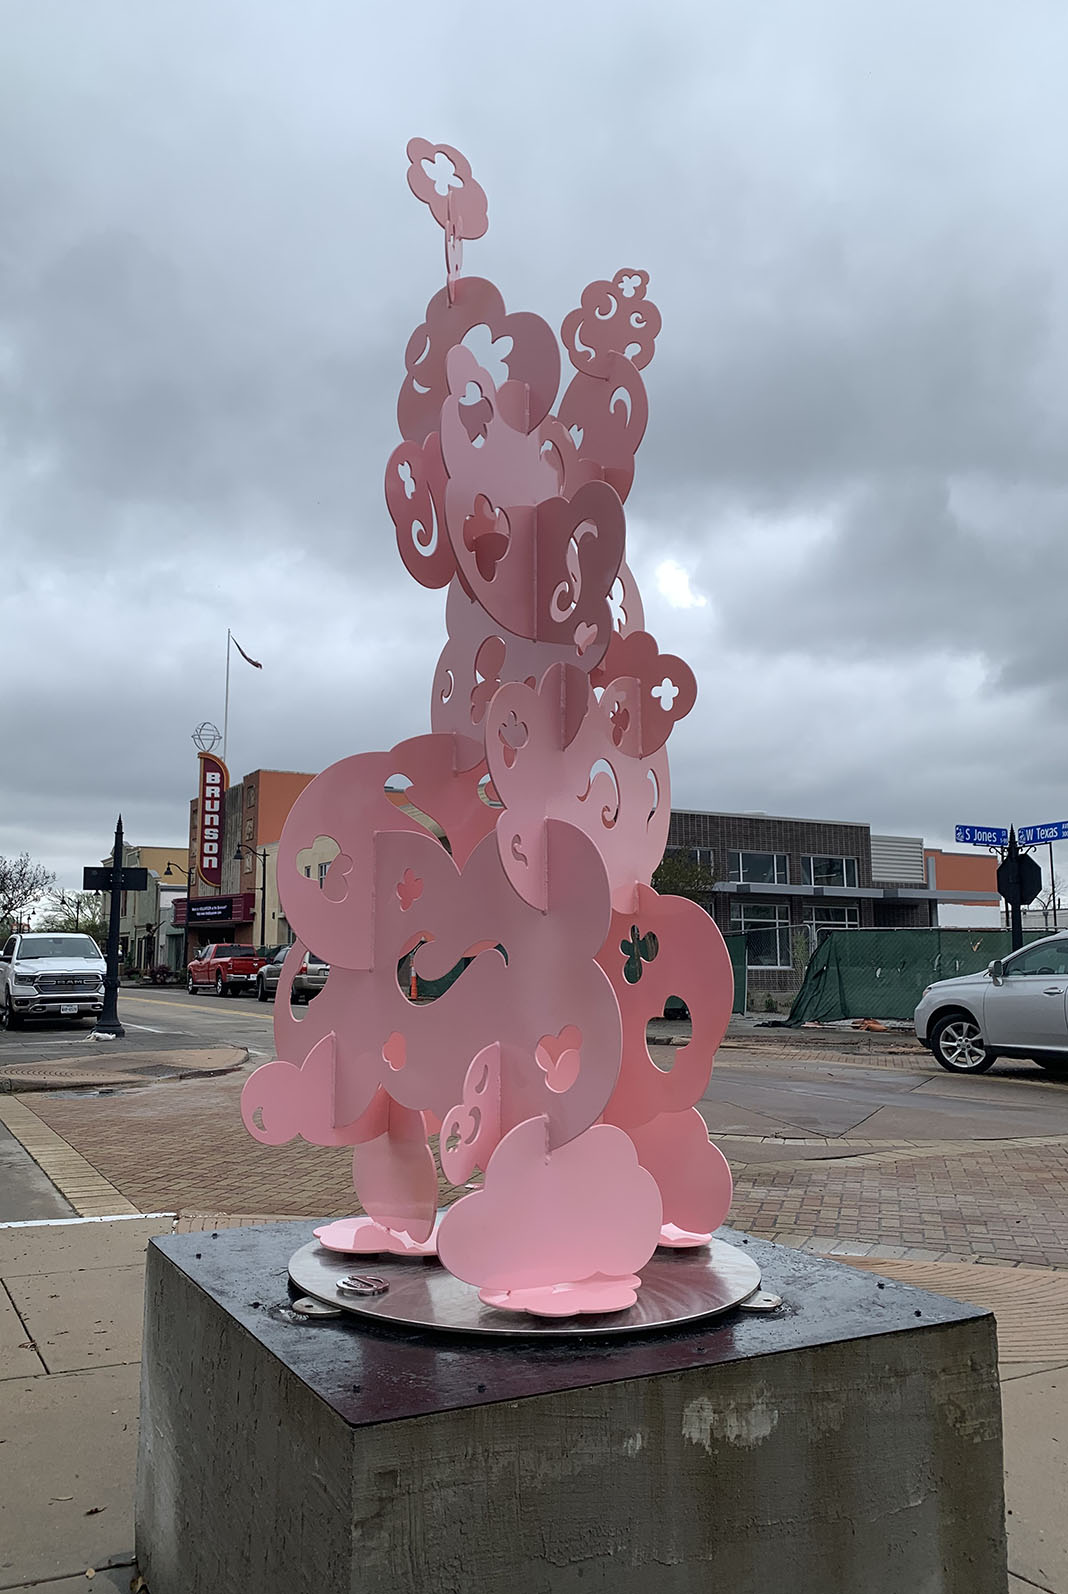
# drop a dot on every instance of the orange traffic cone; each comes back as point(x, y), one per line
point(413, 988)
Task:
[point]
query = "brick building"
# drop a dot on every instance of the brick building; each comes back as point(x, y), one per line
point(781, 882)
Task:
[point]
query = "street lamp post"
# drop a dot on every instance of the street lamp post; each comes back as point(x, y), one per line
point(64, 903)
point(170, 869)
point(243, 846)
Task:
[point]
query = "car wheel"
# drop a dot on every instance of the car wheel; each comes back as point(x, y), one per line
point(190, 985)
point(11, 1019)
point(957, 1042)
point(220, 984)
point(261, 991)
point(1053, 1062)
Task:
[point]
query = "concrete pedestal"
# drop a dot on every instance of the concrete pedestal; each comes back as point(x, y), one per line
point(849, 1443)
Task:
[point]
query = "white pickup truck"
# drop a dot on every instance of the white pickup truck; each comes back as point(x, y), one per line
point(50, 976)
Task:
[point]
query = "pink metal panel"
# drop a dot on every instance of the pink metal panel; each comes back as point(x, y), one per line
point(553, 751)
point(691, 1174)
point(579, 1216)
point(667, 946)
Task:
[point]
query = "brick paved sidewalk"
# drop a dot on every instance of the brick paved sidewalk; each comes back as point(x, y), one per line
point(182, 1147)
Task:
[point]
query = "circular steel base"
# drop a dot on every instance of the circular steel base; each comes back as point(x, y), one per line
point(677, 1287)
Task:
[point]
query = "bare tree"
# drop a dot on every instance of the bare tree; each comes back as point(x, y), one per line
point(1048, 903)
point(76, 911)
point(22, 883)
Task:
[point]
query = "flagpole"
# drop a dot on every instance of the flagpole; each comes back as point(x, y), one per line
point(226, 700)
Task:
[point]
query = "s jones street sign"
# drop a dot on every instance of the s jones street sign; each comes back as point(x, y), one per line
point(1032, 835)
point(980, 836)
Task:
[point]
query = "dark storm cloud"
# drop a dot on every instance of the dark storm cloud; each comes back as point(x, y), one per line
point(209, 267)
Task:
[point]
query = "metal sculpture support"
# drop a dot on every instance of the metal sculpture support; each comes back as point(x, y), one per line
point(546, 773)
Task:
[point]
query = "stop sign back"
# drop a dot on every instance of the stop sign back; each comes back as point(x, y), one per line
point(1022, 874)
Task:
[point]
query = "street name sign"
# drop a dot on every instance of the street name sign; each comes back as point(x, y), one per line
point(1035, 835)
point(982, 836)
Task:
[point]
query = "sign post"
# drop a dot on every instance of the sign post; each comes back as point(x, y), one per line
point(116, 879)
point(1019, 876)
point(108, 1022)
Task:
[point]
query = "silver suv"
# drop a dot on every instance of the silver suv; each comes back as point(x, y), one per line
point(1017, 1008)
point(50, 976)
point(308, 980)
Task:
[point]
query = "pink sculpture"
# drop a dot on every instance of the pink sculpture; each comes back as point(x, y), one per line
point(546, 773)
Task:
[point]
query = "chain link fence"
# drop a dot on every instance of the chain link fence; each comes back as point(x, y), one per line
point(883, 973)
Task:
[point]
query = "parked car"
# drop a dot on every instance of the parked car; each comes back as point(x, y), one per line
point(229, 968)
point(307, 981)
point(50, 976)
point(1018, 1007)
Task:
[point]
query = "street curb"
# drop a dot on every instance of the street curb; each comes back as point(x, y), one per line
point(16, 1083)
point(76, 1179)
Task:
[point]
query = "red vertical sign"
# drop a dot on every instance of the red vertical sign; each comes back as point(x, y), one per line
point(214, 780)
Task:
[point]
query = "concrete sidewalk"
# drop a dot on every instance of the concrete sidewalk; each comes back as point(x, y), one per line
point(70, 1338)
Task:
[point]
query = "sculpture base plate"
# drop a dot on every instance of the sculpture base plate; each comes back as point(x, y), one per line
point(678, 1287)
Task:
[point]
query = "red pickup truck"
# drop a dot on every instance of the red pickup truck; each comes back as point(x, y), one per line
point(228, 968)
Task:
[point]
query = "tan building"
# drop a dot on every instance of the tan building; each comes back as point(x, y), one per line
point(147, 934)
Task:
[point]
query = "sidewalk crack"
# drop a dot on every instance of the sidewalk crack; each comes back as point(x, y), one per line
point(25, 1325)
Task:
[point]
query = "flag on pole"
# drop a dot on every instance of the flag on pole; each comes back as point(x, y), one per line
point(256, 665)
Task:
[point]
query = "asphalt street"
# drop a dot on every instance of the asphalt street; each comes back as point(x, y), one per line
point(794, 1087)
point(159, 1019)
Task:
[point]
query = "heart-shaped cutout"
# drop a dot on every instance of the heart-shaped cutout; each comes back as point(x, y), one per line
point(559, 1058)
point(336, 879)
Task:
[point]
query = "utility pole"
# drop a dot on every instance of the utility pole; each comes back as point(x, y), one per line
point(108, 1022)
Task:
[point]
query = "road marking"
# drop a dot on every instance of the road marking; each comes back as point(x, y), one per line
point(183, 1007)
point(111, 1217)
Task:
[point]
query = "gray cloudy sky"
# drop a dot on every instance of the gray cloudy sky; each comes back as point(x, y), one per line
point(851, 504)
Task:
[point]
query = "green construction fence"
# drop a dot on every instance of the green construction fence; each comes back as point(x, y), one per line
point(883, 973)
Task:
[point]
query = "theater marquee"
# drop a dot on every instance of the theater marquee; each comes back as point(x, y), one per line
point(214, 780)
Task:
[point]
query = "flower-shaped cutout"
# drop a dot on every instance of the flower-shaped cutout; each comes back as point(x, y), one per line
point(409, 889)
point(441, 177)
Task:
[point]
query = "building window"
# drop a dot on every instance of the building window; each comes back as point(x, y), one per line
point(307, 870)
point(820, 916)
point(766, 927)
point(323, 867)
point(819, 871)
point(250, 797)
point(758, 868)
